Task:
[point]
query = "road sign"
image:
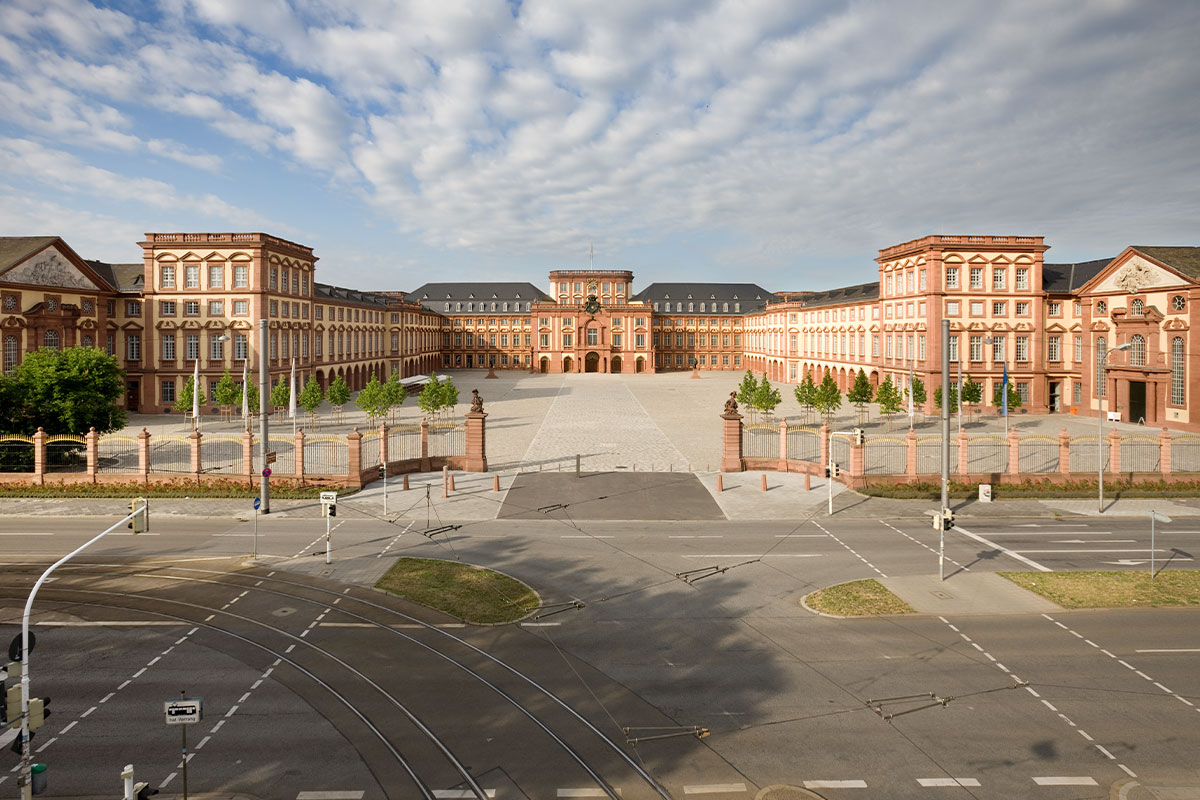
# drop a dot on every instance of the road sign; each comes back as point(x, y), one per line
point(183, 712)
point(257, 503)
point(271, 457)
point(14, 647)
point(328, 497)
point(266, 473)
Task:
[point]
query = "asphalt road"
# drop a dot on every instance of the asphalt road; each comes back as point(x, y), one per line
point(1064, 705)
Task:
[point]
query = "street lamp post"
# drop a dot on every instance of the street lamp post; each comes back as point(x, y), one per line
point(1102, 382)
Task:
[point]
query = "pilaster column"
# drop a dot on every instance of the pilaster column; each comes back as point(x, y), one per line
point(194, 448)
point(424, 444)
point(144, 455)
point(298, 454)
point(247, 453)
point(823, 433)
point(39, 455)
point(383, 446)
point(964, 460)
point(783, 429)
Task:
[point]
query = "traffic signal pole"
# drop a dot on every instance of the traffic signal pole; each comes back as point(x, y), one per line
point(945, 444)
point(264, 429)
point(26, 779)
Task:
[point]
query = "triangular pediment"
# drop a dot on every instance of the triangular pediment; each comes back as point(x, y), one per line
point(1133, 273)
point(51, 266)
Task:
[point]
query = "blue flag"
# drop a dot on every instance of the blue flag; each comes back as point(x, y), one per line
point(1004, 391)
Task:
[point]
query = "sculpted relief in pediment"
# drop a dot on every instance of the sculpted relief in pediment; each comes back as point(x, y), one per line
point(1134, 278)
point(49, 268)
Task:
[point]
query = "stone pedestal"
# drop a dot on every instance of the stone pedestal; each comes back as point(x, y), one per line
point(731, 442)
point(910, 453)
point(1164, 451)
point(476, 460)
point(144, 455)
point(298, 454)
point(1064, 452)
point(194, 447)
point(1014, 453)
point(354, 458)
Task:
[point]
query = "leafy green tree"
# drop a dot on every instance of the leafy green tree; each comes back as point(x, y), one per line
point(448, 393)
point(889, 399)
point(183, 400)
point(806, 396)
point(338, 394)
point(63, 391)
point(829, 398)
point(430, 398)
point(251, 399)
point(972, 392)
point(766, 397)
point(372, 399)
point(228, 394)
point(747, 390)
point(861, 392)
point(1014, 398)
point(395, 393)
point(310, 398)
point(937, 398)
point(918, 393)
point(281, 394)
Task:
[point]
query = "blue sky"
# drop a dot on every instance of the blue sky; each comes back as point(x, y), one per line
point(780, 142)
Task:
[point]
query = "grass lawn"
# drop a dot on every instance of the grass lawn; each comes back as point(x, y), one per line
point(1127, 589)
point(857, 599)
point(472, 594)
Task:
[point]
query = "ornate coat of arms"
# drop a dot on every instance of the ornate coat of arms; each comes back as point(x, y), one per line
point(1134, 278)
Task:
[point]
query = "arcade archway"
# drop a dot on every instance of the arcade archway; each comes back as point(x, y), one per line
point(616, 363)
point(591, 362)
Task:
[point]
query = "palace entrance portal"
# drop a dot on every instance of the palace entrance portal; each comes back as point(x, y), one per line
point(591, 362)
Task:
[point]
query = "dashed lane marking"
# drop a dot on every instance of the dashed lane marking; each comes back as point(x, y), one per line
point(934, 782)
point(835, 784)
point(330, 796)
point(1002, 549)
point(922, 544)
point(454, 794)
point(853, 552)
point(592, 792)
point(714, 788)
point(1081, 780)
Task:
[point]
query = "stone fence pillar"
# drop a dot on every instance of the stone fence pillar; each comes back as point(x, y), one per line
point(92, 441)
point(1014, 453)
point(1164, 451)
point(476, 460)
point(1114, 452)
point(824, 444)
point(298, 454)
point(910, 453)
point(964, 453)
point(144, 455)
point(248, 454)
point(1064, 452)
point(783, 430)
point(383, 447)
point(856, 460)
point(425, 444)
point(731, 442)
point(196, 467)
point(354, 458)
point(39, 455)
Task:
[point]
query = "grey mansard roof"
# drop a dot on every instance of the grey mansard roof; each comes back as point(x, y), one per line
point(1184, 259)
point(325, 291)
point(435, 296)
point(1063, 278)
point(863, 292)
point(749, 296)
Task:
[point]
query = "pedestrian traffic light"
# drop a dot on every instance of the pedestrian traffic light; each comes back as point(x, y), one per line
point(38, 711)
point(860, 437)
point(142, 790)
point(12, 706)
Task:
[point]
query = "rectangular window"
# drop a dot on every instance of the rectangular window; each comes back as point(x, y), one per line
point(920, 348)
point(1022, 309)
point(1053, 348)
point(593, 337)
point(1023, 392)
point(954, 348)
point(241, 308)
point(274, 306)
point(998, 277)
point(304, 286)
point(544, 340)
point(951, 277)
point(568, 340)
point(976, 308)
point(191, 276)
point(274, 281)
point(168, 347)
point(166, 308)
point(679, 340)
point(616, 340)
point(908, 281)
point(1022, 278)
point(191, 308)
point(240, 346)
point(191, 346)
point(168, 391)
point(951, 308)
point(976, 277)
point(875, 346)
point(889, 346)
point(1022, 348)
point(133, 308)
point(491, 340)
point(216, 349)
point(976, 348)
point(1055, 309)
point(216, 276)
point(998, 349)
point(921, 280)
point(1077, 391)
point(1078, 349)
point(640, 340)
point(111, 344)
point(167, 276)
point(999, 309)
point(133, 347)
point(241, 276)
point(275, 345)
point(216, 308)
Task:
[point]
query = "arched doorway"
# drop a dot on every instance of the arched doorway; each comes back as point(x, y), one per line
point(616, 363)
point(568, 363)
point(544, 365)
point(591, 362)
point(639, 365)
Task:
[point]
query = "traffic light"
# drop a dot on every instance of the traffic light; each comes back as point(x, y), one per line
point(860, 437)
point(38, 711)
point(15, 747)
point(332, 509)
point(142, 790)
point(12, 706)
point(834, 471)
point(382, 471)
point(947, 519)
point(141, 515)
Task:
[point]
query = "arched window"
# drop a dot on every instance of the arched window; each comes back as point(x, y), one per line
point(1101, 308)
point(656, 305)
point(1178, 387)
point(50, 339)
point(12, 353)
point(1137, 351)
point(725, 307)
point(87, 341)
point(447, 306)
point(1101, 350)
point(679, 308)
point(1136, 307)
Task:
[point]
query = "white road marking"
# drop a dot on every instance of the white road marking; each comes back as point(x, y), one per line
point(1100, 747)
point(90, 710)
point(1083, 550)
point(757, 555)
point(1066, 781)
point(1005, 550)
point(451, 794)
point(72, 724)
point(835, 784)
point(330, 796)
point(122, 623)
point(930, 782)
point(348, 625)
point(714, 788)
point(167, 780)
point(7, 533)
point(1177, 650)
point(540, 624)
point(1128, 771)
point(577, 536)
point(585, 792)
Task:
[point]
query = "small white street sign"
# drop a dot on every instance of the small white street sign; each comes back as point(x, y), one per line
point(183, 712)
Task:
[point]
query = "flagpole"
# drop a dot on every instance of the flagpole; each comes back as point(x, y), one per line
point(1004, 398)
point(196, 395)
point(292, 397)
point(246, 392)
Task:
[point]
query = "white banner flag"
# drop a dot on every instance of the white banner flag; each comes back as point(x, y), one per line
point(292, 392)
point(196, 391)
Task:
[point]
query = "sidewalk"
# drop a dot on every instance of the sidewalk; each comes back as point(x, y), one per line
point(966, 593)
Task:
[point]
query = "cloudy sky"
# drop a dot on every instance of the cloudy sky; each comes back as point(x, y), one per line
point(781, 141)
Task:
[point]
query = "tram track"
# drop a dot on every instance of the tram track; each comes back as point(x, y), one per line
point(593, 757)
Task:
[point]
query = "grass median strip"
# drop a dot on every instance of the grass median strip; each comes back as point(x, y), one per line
point(857, 599)
point(1125, 589)
point(472, 594)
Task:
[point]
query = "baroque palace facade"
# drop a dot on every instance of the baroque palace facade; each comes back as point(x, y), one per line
point(198, 297)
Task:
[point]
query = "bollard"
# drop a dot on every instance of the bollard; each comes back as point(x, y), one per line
point(808, 481)
point(406, 481)
point(452, 483)
point(577, 465)
point(764, 483)
point(720, 484)
point(495, 483)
